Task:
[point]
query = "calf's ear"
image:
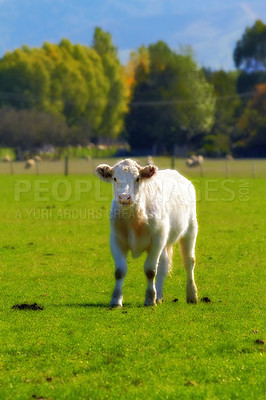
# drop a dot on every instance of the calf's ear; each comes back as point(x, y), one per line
point(148, 171)
point(105, 172)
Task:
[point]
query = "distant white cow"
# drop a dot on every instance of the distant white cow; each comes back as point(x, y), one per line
point(229, 157)
point(151, 210)
point(193, 161)
point(149, 160)
point(7, 158)
point(30, 163)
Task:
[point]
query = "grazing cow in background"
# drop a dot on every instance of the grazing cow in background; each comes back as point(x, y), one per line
point(149, 160)
point(193, 161)
point(7, 158)
point(30, 163)
point(151, 210)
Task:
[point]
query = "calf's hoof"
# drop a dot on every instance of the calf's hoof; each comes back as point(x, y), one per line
point(192, 299)
point(150, 298)
point(116, 303)
point(150, 303)
point(192, 293)
point(117, 306)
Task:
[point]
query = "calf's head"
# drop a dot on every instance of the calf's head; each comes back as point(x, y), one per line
point(126, 177)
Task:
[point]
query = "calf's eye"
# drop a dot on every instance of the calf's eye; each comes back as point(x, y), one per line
point(115, 179)
point(137, 180)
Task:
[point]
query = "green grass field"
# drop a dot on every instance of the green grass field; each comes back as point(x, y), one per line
point(54, 251)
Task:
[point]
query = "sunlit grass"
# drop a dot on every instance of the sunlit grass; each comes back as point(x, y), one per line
point(56, 253)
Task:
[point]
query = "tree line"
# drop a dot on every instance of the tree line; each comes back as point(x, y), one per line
point(160, 102)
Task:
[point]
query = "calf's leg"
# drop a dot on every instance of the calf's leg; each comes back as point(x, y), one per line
point(163, 268)
point(150, 269)
point(187, 243)
point(120, 259)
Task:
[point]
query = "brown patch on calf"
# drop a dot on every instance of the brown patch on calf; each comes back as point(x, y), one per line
point(148, 171)
point(118, 273)
point(150, 274)
point(104, 171)
point(139, 223)
point(134, 221)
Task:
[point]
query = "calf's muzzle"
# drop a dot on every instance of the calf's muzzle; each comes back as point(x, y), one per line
point(125, 199)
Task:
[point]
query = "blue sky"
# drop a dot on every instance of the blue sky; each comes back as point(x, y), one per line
point(211, 27)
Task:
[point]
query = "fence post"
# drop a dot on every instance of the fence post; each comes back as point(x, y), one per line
point(201, 169)
point(173, 162)
point(66, 165)
point(93, 165)
point(253, 169)
point(227, 168)
point(11, 168)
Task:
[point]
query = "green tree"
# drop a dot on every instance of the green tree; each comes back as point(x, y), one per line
point(252, 125)
point(172, 102)
point(250, 58)
point(116, 105)
point(224, 132)
point(83, 85)
point(24, 80)
point(28, 129)
point(250, 51)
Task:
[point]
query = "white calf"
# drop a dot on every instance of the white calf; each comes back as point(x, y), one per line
point(151, 210)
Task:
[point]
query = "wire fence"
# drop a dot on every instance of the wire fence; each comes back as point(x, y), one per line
point(244, 168)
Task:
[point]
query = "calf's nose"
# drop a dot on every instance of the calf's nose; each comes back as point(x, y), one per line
point(125, 198)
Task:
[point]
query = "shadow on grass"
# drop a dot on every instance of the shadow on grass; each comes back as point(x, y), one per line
point(90, 305)
point(81, 305)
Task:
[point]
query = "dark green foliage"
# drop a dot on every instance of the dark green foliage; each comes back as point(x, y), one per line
point(27, 129)
point(250, 58)
point(247, 81)
point(252, 123)
point(224, 132)
point(171, 103)
point(250, 51)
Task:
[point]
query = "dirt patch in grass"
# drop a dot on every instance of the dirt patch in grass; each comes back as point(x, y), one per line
point(205, 300)
point(190, 383)
point(259, 341)
point(175, 301)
